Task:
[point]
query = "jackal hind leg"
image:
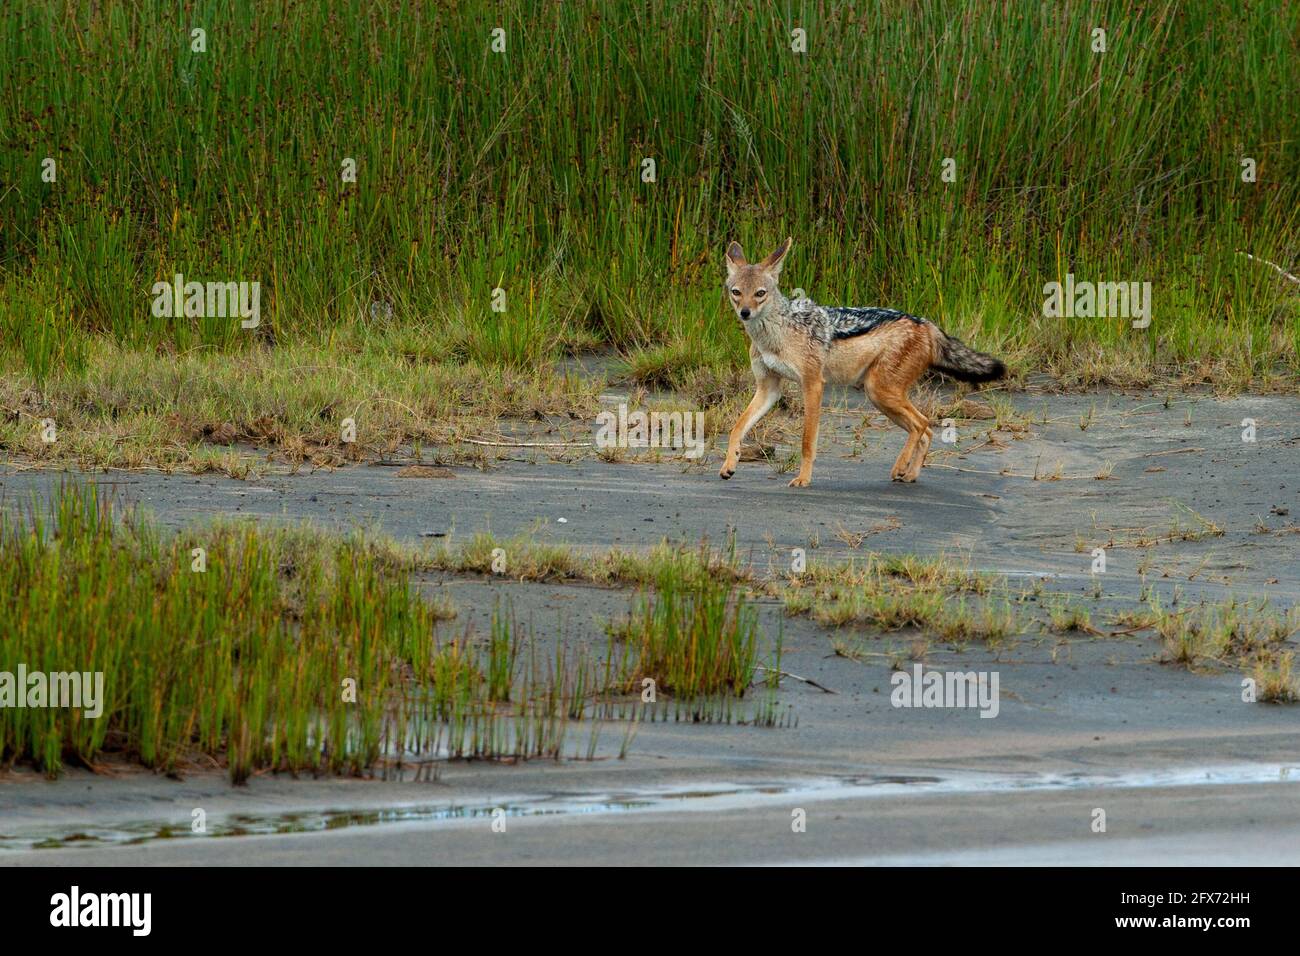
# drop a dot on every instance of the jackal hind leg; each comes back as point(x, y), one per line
point(922, 446)
point(893, 404)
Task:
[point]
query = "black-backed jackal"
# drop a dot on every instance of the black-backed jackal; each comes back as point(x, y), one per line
point(881, 351)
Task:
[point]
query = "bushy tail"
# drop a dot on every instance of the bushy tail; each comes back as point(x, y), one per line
point(953, 357)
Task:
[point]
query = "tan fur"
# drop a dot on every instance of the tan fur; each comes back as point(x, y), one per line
point(885, 363)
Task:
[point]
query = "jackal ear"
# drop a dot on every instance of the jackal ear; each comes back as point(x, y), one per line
point(735, 257)
point(773, 262)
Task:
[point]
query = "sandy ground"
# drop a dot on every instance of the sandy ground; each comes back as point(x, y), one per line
point(1184, 770)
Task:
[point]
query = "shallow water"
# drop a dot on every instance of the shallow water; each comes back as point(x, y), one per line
point(696, 798)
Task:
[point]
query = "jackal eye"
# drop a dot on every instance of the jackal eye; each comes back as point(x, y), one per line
point(735, 292)
point(760, 293)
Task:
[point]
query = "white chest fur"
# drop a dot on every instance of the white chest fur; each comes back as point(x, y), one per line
point(767, 342)
point(776, 364)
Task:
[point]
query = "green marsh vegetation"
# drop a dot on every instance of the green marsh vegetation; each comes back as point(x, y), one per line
point(944, 599)
point(702, 596)
point(304, 651)
point(523, 170)
point(1251, 633)
point(281, 649)
point(289, 648)
point(692, 629)
point(691, 638)
point(247, 658)
point(936, 596)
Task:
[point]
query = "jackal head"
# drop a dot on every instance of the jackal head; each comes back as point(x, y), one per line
point(751, 287)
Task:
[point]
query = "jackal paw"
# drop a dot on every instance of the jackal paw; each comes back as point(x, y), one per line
point(727, 471)
point(801, 481)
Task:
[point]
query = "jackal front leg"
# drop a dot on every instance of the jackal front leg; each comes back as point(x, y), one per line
point(812, 410)
point(767, 392)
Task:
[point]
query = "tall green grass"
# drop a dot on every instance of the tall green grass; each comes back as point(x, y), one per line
point(692, 638)
point(291, 650)
point(521, 170)
point(288, 648)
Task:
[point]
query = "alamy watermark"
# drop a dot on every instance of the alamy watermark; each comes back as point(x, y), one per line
point(83, 690)
point(1098, 300)
point(179, 299)
point(624, 429)
point(974, 689)
point(75, 908)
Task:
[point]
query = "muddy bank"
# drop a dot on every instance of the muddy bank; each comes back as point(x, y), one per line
point(1163, 468)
